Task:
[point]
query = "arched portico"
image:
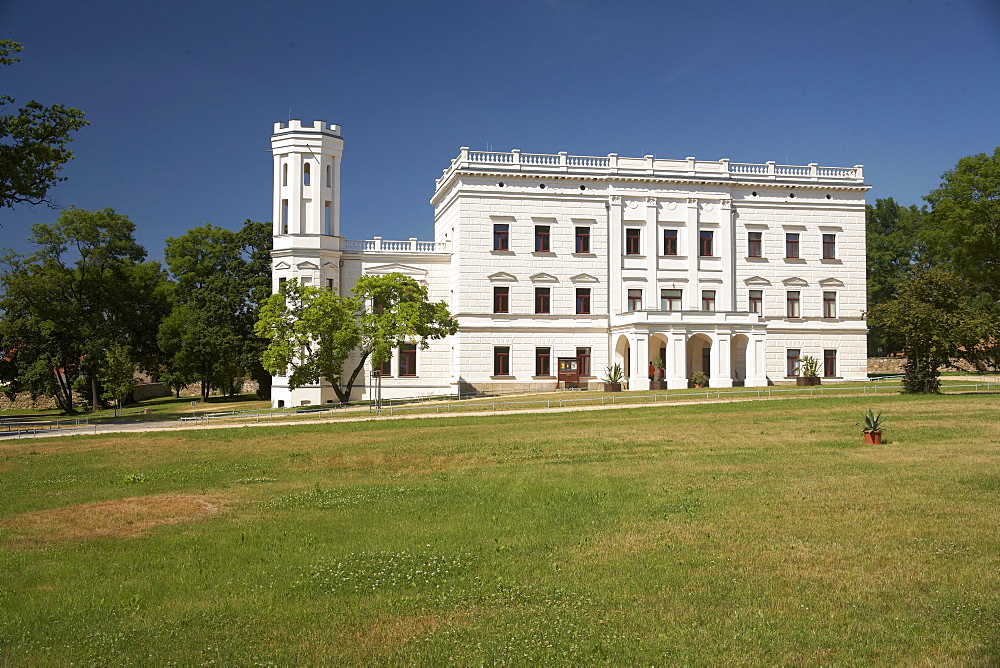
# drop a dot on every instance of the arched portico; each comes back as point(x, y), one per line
point(699, 355)
point(623, 354)
point(738, 363)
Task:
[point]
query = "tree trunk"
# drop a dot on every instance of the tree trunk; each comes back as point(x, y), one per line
point(93, 392)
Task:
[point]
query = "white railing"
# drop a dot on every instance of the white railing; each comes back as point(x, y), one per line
point(650, 165)
point(380, 245)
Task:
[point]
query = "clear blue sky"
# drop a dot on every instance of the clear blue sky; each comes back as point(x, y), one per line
point(182, 96)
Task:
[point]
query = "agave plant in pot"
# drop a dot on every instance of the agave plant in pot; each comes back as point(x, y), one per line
point(613, 376)
point(810, 372)
point(872, 427)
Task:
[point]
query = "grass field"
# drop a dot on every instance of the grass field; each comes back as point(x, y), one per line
point(759, 532)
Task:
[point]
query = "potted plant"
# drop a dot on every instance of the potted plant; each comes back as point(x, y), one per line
point(699, 379)
point(656, 383)
point(613, 377)
point(872, 427)
point(810, 372)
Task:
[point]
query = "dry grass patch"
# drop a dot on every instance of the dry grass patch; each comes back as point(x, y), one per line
point(119, 518)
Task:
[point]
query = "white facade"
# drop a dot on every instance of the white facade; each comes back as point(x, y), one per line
point(733, 269)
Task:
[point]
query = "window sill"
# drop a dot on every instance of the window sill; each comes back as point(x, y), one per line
point(755, 258)
point(497, 251)
point(550, 377)
point(795, 260)
point(543, 253)
point(584, 254)
point(831, 260)
point(709, 257)
point(507, 377)
point(408, 375)
point(675, 256)
point(500, 313)
point(635, 255)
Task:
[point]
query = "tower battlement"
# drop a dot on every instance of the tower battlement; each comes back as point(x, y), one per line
point(296, 125)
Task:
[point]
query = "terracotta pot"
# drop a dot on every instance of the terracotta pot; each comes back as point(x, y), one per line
point(873, 437)
point(612, 387)
point(808, 380)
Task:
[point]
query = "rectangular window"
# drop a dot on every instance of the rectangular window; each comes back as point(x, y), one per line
point(792, 245)
point(542, 358)
point(583, 240)
point(329, 284)
point(793, 307)
point(385, 368)
point(705, 238)
point(708, 300)
point(829, 304)
point(583, 354)
point(542, 239)
point(670, 242)
point(408, 359)
point(501, 299)
point(829, 246)
point(757, 301)
point(501, 236)
point(326, 218)
point(542, 304)
point(583, 301)
point(635, 300)
point(830, 363)
point(754, 244)
point(281, 281)
point(501, 361)
point(284, 216)
point(792, 359)
point(632, 241)
point(670, 300)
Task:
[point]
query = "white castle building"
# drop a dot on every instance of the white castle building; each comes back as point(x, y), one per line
point(737, 270)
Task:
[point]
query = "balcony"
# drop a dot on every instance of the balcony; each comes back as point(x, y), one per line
point(380, 245)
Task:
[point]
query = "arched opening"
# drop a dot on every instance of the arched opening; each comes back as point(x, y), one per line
point(284, 174)
point(305, 174)
point(329, 176)
point(658, 351)
point(699, 355)
point(738, 359)
point(622, 354)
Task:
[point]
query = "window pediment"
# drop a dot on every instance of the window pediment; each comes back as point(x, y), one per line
point(796, 281)
point(584, 278)
point(502, 277)
point(306, 265)
point(544, 278)
point(832, 283)
point(756, 280)
point(396, 268)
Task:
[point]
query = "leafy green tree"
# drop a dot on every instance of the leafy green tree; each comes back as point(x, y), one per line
point(86, 288)
point(33, 143)
point(221, 276)
point(893, 248)
point(963, 226)
point(932, 314)
point(117, 376)
point(315, 333)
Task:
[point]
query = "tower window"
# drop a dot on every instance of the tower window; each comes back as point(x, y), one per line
point(326, 218)
point(284, 216)
point(305, 174)
point(284, 174)
point(329, 176)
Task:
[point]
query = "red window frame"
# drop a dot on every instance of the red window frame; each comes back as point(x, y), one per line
point(543, 361)
point(633, 245)
point(583, 301)
point(635, 299)
point(708, 300)
point(408, 359)
point(543, 300)
point(583, 354)
point(385, 369)
point(501, 361)
point(756, 301)
point(793, 304)
point(829, 363)
point(672, 299)
point(670, 242)
point(501, 236)
point(755, 243)
point(829, 304)
point(542, 239)
point(793, 360)
point(829, 246)
point(705, 239)
point(583, 240)
point(501, 299)
point(792, 245)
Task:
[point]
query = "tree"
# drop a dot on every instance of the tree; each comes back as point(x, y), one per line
point(86, 288)
point(963, 226)
point(117, 376)
point(932, 314)
point(32, 144)
point(893, 248)
point(221, 277)
point(315, 334)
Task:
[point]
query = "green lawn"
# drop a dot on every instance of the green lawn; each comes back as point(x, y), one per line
point(758, 532)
